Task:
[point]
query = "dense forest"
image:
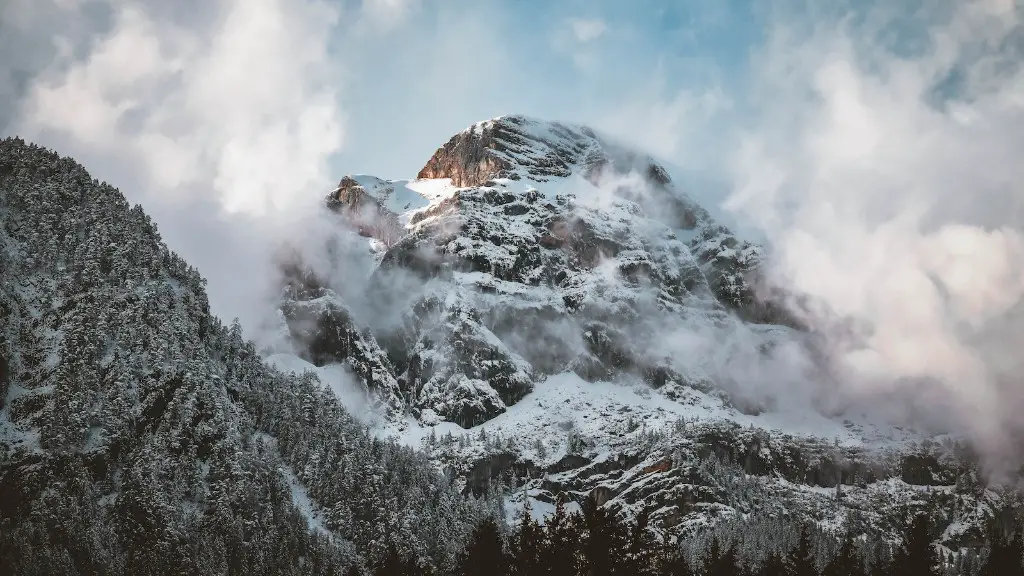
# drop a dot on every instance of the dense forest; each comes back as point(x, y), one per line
point(141, 435)
point(595, 542)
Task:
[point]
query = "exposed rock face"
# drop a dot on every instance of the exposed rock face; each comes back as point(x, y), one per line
point(466, 160)
point(517, 147)
point(549, 250)
point(325, 332)
point(365, 212)
point(543, 262)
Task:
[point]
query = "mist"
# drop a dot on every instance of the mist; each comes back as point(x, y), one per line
point(875, 149)
point(882, 166)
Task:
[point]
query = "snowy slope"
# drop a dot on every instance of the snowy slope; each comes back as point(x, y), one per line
point(558, 316)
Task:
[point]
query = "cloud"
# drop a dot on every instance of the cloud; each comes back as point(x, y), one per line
point(587, 29)
point(389, 13)
point(885, 177)
point(665, 125)
point(221, 118)
point(877, 150)
point(245, 104)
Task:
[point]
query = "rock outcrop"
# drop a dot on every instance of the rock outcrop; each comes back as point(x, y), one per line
point(560, 294)
point(547, 249)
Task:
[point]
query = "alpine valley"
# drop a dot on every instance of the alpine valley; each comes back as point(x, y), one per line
point(542, 326)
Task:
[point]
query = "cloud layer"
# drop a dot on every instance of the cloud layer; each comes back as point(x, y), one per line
point(241, 100)
point(876, 148)
point(884, 177)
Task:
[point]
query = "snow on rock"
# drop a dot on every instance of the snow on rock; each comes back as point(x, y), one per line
point(552, 311)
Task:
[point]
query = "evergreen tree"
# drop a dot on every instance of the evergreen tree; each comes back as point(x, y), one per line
point(526, 544)
point(917, 557)
point(800, 560)
point(559, 555)
point(773, 565)
point(642, 548)
point(390, 565)
point(1005, 556)
point(604, 545)
point(880, 567)
point(671, 559)
point(727, 563)
point(484, 554)
point(847, 562)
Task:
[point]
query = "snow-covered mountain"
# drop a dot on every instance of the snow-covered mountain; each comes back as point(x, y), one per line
point(527, 249)
point(140, 435)
point(549, 309)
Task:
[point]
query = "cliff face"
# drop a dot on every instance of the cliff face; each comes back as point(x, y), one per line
point(517, 147)
point(467, 159)
point(557, 314)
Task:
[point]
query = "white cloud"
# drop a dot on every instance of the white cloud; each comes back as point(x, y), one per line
point(247, 104)
point(665, 126)
point(900, 208)
point(221, 118)
point(587, 29)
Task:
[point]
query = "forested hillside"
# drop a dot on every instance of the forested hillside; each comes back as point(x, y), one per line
point(594, 542)
point(140, 435)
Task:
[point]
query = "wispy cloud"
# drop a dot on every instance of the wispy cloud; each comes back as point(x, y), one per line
point(877, 148)
point(221, 118)
point(885, 179)
point(246, 104)
point(587, 29)
point(389, 13)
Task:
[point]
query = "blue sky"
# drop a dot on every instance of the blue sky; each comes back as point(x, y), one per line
point(444, 67)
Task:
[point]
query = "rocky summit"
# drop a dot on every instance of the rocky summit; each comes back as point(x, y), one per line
point(550, 311)
point(536, 248)
point(542, 322)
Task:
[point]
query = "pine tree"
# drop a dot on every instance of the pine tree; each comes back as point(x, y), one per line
point(641, 548)
point(390, 565)
point(727, 563)
point(917, 557)
point(559, 555)
point(847, 562)
point(604, 546)
point(773, 565)
point(527, 542)
point(800, 560)
point(1004, 557)
point(672, 560)
point(484, 554)
point(713, 557)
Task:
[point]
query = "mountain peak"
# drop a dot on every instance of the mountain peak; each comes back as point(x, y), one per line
point(519, 147)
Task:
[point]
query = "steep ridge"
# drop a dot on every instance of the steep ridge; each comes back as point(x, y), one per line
point(139, 435)
point(541, 248)
point(595, 329)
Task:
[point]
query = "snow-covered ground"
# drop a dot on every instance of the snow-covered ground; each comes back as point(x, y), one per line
point(611, 413)
point(406, 197)
point(304, 504)
point(338, 379)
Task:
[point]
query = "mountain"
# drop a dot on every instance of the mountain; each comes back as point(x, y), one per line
point(523, 250)
point(542, 317)
point(549, 311)
point(140, 435)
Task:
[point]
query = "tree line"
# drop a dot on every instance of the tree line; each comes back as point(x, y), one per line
point(596, 542)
